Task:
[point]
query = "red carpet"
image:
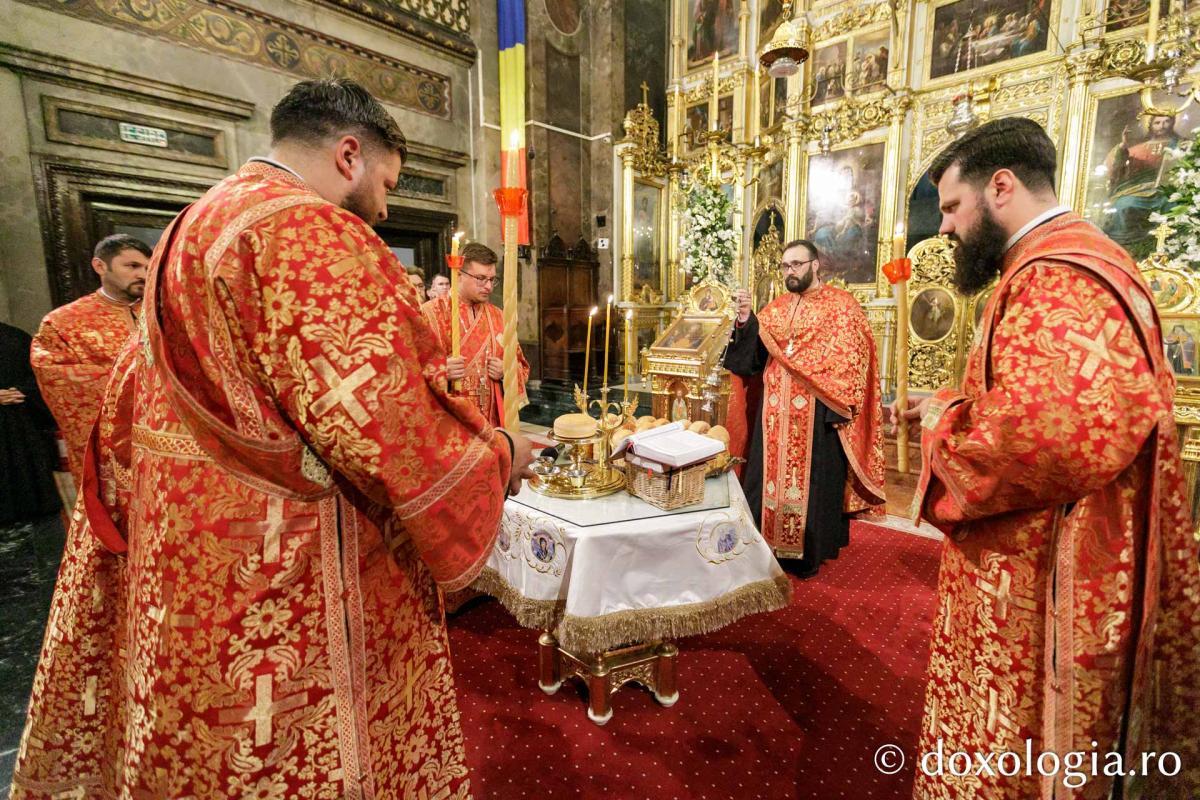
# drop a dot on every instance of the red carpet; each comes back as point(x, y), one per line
point(792, 704)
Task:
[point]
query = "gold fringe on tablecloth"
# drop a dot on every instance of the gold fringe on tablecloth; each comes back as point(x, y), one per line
point(541, 614)
point(586, 635)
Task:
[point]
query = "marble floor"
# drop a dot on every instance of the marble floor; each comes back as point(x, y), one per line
point(29, 556)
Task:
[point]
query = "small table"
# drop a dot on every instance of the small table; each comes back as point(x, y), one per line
point(612, 580)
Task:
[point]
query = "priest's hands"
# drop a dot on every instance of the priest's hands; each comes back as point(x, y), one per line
point(522, 458)
point(495, 369)
point(456, 368)
point(11, 397)
point(914, 412)
point(741, 300)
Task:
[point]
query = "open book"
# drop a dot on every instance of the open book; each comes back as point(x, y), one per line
point(670, 445)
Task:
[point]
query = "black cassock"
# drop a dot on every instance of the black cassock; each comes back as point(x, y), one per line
point(27, 449)
point(827, 528)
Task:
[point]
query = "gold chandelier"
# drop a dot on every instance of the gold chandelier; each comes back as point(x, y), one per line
point(1169, 60)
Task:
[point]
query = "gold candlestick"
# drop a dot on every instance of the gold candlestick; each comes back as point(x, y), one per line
point(628, 354)
point(587, 355)
point(1152, 33)
point(712, 101)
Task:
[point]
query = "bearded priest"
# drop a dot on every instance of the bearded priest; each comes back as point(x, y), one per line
point(1068, 606)
point(76, 344)
point(816, 456)
point(247, 605)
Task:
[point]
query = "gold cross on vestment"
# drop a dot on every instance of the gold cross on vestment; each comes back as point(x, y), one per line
point(1001, 590)
point(995, 717)
point(341, 390)
point(361, 258)
point(414, 670)
point(159, 613)
point(263, 712)
point(89, 696)
point(272, 528)
point(1098, 349)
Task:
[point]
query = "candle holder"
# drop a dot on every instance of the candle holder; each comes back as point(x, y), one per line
point(589, 471)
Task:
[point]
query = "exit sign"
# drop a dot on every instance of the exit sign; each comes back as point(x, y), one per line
point(143, 134)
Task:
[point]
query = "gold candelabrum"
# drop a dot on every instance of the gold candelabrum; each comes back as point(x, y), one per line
point(585, 469)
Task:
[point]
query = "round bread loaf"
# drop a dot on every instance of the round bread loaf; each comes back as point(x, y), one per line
point(644, 423)
point(719, 432)
point(699, 427)
point(619, 436)
point(574, 426)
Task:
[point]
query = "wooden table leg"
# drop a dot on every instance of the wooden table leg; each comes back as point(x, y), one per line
point(599, 685)
point(549, 676)
point(666, 691)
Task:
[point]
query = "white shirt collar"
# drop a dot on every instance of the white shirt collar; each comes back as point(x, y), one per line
point(275, 164)
point(1045, 216)
point(109, 297)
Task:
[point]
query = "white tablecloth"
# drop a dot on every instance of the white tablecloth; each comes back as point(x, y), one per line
point(645, 575)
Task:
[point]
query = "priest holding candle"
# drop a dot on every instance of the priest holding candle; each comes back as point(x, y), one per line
point(473, 335)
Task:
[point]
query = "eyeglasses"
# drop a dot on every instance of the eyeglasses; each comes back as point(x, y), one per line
point(483, 281)
point(794, 266)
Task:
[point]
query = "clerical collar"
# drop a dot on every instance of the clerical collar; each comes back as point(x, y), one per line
point(112, 299)
point(1045, 216)
point(272, 162)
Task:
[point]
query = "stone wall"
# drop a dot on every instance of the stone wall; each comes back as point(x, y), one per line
point(216, 68)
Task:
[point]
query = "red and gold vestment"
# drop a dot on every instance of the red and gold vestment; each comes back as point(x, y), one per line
point(1068, 596)
point(248, 606)
point(480, 331)
point(72, 356)
point(821, 347)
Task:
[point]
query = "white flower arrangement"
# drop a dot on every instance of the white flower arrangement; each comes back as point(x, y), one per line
point(1182, 187)
point(708, 242)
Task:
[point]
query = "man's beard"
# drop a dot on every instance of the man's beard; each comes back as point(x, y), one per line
point(357, 204)
point(797, 284)
point(979, 256)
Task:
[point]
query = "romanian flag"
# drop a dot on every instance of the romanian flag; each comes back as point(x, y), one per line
point(511, 20)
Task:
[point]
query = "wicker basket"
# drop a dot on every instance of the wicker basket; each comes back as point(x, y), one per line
point(670, 490)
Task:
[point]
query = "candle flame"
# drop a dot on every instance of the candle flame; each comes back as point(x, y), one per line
point(592, 313)
point(628, 314)
point(610, 298)
point(899, 231)
point(514, 140)
point(459, 234)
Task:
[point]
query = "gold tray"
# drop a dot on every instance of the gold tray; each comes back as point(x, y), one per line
point(560, 486)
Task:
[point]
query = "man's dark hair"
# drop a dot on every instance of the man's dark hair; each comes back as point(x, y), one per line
point(315, 111)
point(1013, 143)
point(110, 246)
point(415, 271)
point(479, 253)
point(813, 252)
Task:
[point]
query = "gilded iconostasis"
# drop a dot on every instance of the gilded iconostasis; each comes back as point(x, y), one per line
point(838, 151)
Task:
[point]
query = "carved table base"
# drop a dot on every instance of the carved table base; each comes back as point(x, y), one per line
point(652, 665)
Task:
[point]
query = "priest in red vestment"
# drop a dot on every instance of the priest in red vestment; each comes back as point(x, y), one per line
point(277, 481)
point(816, 456)
point(480, 367)
point(76, 344)
point(1068, 607)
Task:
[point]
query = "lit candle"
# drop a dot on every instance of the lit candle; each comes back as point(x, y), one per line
point(587, 353)
point(712, 101)
point(899, 243)
point(1152, 35)
point(607, 336)
point(455, 322)
point(628, 351)
point(514, 143)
